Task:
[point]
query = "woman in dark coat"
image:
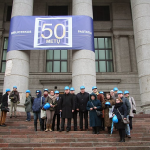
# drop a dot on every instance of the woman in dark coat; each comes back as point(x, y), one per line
point(120, 108)
point(108, 121)
point(93, 105)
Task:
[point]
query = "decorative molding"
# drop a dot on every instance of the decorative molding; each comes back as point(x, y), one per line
point(116, 36)
point(131, 36)
point(55, 81)
point(108, 80)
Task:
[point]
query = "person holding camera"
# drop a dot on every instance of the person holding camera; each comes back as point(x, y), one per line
point(4, 108)
point(15, 99)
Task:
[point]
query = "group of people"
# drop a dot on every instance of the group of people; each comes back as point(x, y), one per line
point(100, 108)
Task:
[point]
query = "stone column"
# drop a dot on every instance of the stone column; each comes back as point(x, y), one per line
point(17, 62)
point(117, 52)
point(83, 61)
point(132, 53)
point(141, 24)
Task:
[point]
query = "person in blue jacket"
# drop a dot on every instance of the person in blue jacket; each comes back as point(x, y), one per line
point(93, 105)
point(38, 104)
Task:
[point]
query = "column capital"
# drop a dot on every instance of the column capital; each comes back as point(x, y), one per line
point(116, 36)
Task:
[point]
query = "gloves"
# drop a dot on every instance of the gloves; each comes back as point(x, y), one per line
point(134, 111)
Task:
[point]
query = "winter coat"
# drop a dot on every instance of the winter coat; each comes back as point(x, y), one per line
point(133, 106)
point(4, 100)
point(51, 100)
point(14, 96)
point(107, 120)
point(101, 98)
point(126, 102)
point(67, 104)
point(36, 107)
point(123, 111)
point(82, 100)
point(28, 104)
point(57, 108)
point(95, 121)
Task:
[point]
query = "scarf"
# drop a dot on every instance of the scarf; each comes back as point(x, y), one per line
point(117, 105)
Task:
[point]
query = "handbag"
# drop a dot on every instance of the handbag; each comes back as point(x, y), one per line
point(98, 112)
point(4, 109)
point(43, 112)
point(125, 121)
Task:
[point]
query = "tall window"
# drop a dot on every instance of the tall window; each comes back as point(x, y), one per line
point(57, 10)
point(101, 13)
point(8, 15)
point(3, 62)
point(103, 55)
point(56, 61)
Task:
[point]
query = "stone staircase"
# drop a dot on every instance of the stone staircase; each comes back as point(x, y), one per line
point(20, 135)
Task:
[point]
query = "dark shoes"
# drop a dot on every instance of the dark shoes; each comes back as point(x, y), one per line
point(94, 130)
point(10, 116)
point(61, 130)
point(67, 130)
point(4, 125)
point(129, 136)
point(122, 140)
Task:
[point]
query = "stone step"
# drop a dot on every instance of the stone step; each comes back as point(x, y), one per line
point(70, 140)
point(79, 148)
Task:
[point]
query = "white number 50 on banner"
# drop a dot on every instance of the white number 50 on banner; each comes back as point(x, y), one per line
point(49, 33)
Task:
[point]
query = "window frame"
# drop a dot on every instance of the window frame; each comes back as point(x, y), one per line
point(2, 53)
point(60, 60)
point(106, 60)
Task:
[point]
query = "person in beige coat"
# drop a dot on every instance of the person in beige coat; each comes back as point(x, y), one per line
point(51, 99)
point(133, 107)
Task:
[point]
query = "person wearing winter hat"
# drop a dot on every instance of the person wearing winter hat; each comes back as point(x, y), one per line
point(28, 105)
point(15, 99)
point(36, 107)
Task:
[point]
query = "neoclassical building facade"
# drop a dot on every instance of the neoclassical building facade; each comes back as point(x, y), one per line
point(121, 58)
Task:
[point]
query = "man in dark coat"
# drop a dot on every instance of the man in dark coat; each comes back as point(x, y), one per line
point(4, 105)
point(67, 107)
point(72, 91)
point(82, 98)
point(57, 112)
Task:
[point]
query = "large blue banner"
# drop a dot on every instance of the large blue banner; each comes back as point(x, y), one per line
point(51, 32)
